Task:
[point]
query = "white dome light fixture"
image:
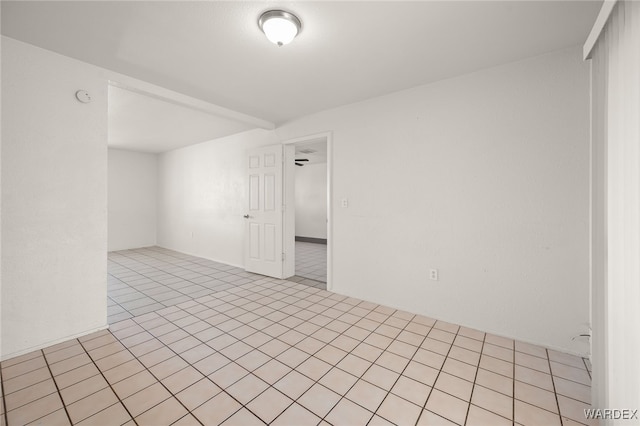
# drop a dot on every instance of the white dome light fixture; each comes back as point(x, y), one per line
point(279, 26)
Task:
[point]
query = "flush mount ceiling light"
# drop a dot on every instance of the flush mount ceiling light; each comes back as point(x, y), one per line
point(279, 26)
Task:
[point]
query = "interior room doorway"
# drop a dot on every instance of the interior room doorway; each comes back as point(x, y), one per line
point(308, 227)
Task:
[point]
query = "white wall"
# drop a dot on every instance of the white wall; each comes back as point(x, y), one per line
point(54, 198)
point(201, 197)
point(311, 200)
point(616, 212)
point(485, 177)
point(132, 199)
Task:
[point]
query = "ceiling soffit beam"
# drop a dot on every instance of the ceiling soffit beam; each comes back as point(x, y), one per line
point(142, 87)
point(598, 26)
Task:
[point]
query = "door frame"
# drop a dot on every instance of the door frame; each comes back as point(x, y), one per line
point(289, 216)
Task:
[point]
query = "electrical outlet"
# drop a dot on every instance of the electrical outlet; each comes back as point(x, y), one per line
point(433, 274)
point(345, 202)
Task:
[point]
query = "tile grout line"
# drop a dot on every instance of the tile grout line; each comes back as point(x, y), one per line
point(44, 356)
point(293, 329)
point(4, 399)
point(475, 378)
point(148, 370)
point(364, 372)
point(192, 365)
point(513, 387)
point(424, 407)
point(346, 323)
point(272, 338)
point(177, 276)
point(292, 315)
point(403, 370)
point(383, 349)
point(326, 308)
point(584, 361)
point(108, 384)
point(151, 278)
point(553, 383)
point(239, 296)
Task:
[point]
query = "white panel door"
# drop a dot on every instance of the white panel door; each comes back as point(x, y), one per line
point(263, 219)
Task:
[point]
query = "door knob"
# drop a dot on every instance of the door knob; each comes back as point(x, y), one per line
point(246, 216)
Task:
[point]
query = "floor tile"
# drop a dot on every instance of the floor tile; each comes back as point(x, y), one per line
point(182, 379)
point(366, 395)
point(228, 375)
point(83, 389)
point(354, 365)
point(495, 381)
point(269, 404)
point(29, 394)
point(348, 413)
point(428, 418)
point(319, 400)
point(216, 409)
point(496, 365)
point(148, 397)
point(198, 393)
point(296, 414)
point(115, 414)
point(453, 385)
point(272, 371)
point(492, 401)
point(574, 410)
point(133, 384)
point(268, 343)
point(91, 405)
point(536, 396)
point(529, 415)
point(500, 352)
point(35, 410)
point(447, 406)
point(338, 380)
point(533, 377)
point(421, 373)
point(23, 367)
point(411, 390)
point(567, 359)
point(166, 412)
point(243, 417)
point(533, 362)
point(574, 374)
point(399, 410)
point(74, 376)
point(573, 390)
point(295, 384)
point(480, 417)
point(247, 388)
point(26, 380)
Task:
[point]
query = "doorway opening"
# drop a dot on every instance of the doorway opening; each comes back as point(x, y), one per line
point(307, 224)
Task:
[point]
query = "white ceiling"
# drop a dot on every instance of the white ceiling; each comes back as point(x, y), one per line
point(346, 52)
point(142, 123)
point(319, 146)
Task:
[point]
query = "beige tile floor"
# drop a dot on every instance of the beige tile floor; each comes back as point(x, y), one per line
point(311, 261)
point(146, 279)
point(278, 352)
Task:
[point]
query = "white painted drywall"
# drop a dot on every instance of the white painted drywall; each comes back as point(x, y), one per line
point(616, 213)
point(132, 199)
point(54, 198)
point(201, 198)
point(311, 200)
point(485, 177)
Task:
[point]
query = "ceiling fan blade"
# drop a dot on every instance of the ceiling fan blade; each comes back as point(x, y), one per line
point(301, 159)
point(298, 164)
